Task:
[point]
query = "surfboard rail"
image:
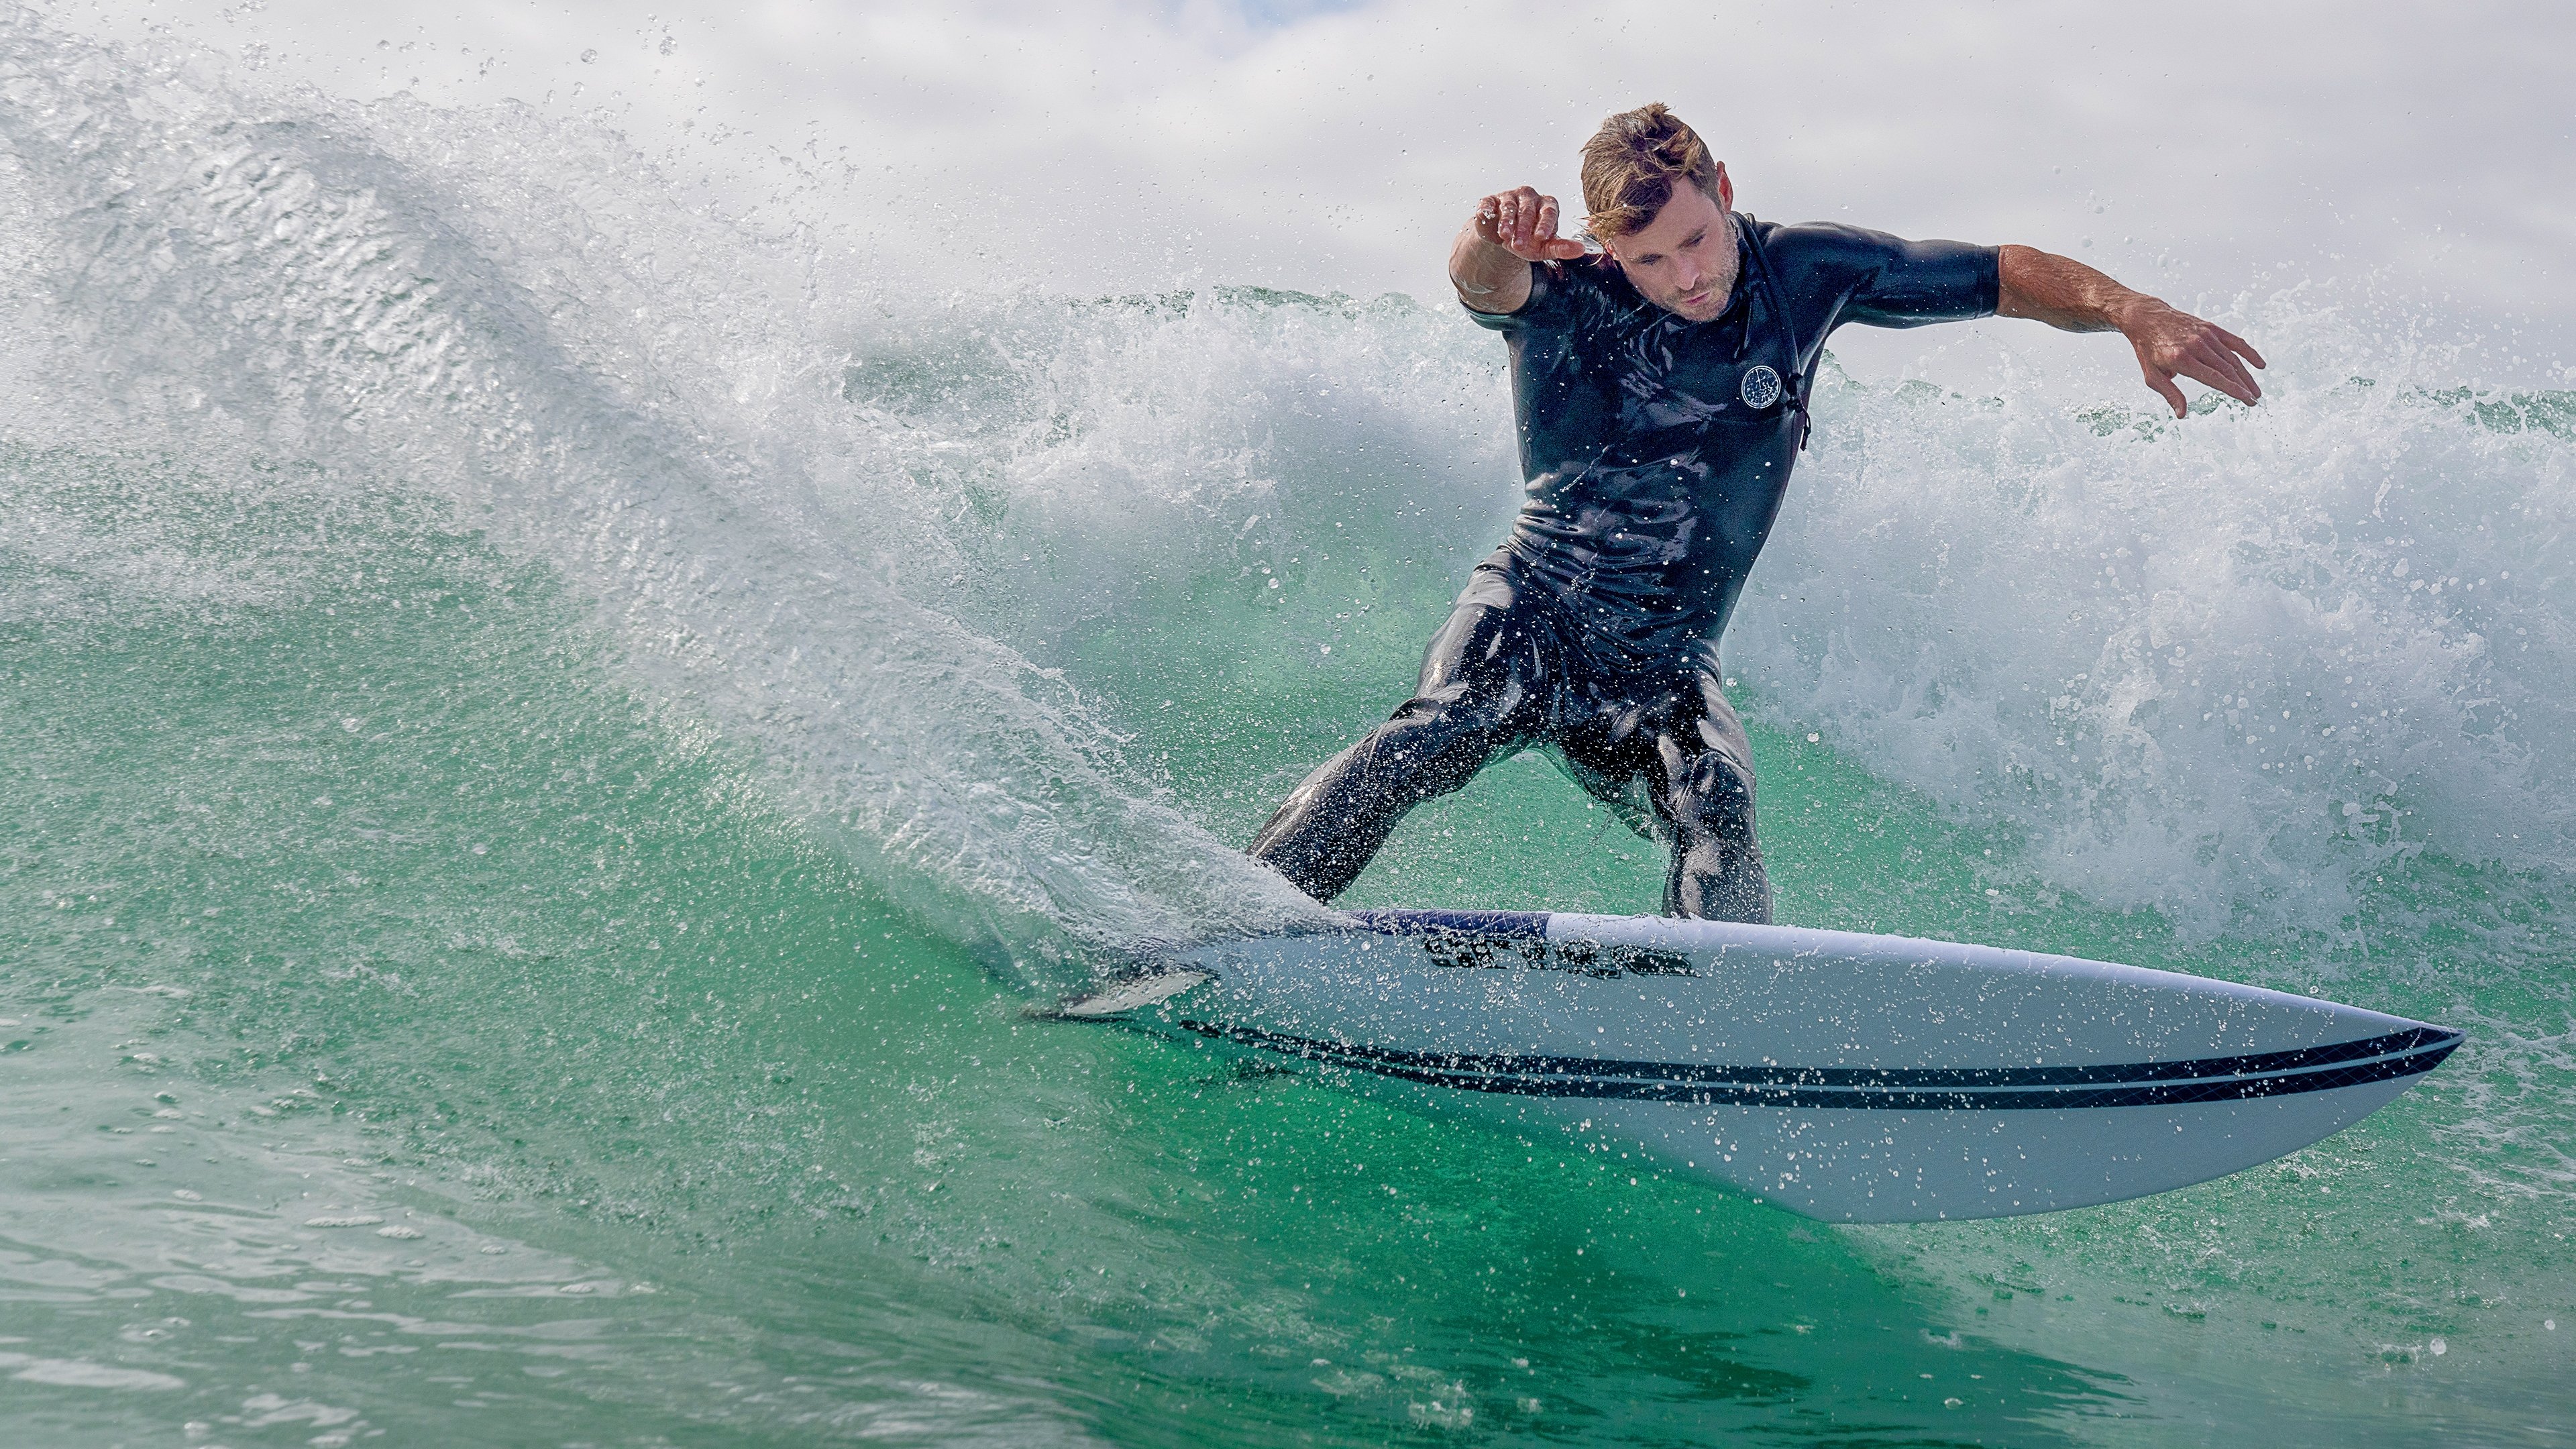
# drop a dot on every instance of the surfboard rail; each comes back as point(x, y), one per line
point(1846, 1076)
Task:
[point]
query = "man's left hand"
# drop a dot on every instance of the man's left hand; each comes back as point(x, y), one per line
point(2171, 342)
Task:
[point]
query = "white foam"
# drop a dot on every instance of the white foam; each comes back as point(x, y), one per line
point(2230, 667)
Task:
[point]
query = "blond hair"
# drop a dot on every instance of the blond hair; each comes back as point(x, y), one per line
point(1631, 164)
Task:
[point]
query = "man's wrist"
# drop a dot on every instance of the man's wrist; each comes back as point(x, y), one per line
point(2129, 309)
point(1488, 269)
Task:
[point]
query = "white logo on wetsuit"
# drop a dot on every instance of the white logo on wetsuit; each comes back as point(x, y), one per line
point(1761, 386)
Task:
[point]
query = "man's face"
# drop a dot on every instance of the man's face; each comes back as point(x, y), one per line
point(1684, 260)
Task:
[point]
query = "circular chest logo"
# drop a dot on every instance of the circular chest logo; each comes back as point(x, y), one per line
point(1761, 386)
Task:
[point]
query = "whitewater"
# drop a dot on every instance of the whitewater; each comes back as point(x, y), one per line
point(554, 731)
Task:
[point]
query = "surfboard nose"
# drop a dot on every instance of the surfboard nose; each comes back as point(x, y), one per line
point(1123, 998)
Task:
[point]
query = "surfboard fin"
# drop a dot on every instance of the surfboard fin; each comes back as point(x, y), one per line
point(1133, 994)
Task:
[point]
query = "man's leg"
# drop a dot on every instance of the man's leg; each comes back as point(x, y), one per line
point(1690, 752)
point(1485, 681)
point(1704, 791)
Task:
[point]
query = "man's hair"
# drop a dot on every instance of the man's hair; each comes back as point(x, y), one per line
point(1631, 163)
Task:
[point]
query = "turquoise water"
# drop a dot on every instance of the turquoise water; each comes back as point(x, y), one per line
point(554, 735)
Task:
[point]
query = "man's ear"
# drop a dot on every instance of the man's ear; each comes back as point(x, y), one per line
point(1725, 189)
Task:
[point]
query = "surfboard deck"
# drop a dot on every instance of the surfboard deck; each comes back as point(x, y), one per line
point(1846, 1077)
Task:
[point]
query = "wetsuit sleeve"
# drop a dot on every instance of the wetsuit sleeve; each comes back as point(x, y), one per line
point(1854, 275)
point(1550, 304)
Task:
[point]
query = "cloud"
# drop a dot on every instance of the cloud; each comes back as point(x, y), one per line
point(2205, 149)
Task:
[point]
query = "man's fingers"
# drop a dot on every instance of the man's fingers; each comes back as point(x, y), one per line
point(2213, 364)
point(2216, 369)
point(2214, 347)
point(2200, 372)
point(2236, 369)
point(1565, 249)
point(2162, 382)
point(2241, 345)
point(1523, 222)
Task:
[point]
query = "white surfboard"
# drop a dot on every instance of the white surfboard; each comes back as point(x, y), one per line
point(1848, 1077)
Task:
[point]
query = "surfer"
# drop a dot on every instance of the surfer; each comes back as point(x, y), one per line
point(1661, 387)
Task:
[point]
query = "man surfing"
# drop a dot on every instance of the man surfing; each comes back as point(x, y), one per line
point(1661, 389)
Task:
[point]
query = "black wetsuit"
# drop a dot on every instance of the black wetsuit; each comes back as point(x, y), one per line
point(1657, 451)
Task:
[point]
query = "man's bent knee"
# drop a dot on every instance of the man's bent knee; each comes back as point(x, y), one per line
point(1432, 748)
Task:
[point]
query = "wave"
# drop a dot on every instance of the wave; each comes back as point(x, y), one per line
point(2229, 668)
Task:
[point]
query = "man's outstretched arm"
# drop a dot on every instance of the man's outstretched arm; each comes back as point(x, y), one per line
point(2067, 294)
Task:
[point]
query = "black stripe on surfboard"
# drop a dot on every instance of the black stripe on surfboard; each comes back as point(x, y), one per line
point(2255, 1064)
point(2406, 1054)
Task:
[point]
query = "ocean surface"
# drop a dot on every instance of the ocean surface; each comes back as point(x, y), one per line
point(551, 733)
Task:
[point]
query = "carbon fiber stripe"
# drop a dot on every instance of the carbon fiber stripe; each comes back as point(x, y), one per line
point(2402, 1054)
point(2303, 1059)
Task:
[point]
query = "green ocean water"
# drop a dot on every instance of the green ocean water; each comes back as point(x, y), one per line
point(529, 834)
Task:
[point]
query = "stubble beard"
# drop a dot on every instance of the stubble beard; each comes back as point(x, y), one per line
point(1720, 286)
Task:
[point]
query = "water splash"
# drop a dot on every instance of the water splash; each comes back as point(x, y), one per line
point(492, 319)
point(2234, 667)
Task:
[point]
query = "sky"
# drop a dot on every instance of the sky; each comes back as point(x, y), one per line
point(2205, 151)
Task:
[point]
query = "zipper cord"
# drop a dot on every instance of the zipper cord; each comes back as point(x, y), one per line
point(1796, 382)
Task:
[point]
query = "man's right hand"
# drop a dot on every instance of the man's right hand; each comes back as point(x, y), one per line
point(1490, 262)
point(1522, 222)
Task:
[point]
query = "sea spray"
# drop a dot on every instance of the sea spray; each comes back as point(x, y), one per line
point(291, 289)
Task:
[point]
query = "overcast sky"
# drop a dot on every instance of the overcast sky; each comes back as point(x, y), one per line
point(2199, 149)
